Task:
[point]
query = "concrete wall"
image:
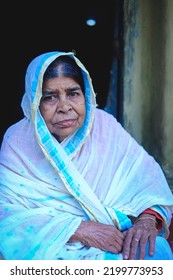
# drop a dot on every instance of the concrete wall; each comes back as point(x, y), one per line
point(148, 77)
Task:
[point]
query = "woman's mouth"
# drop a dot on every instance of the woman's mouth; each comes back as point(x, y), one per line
point(66, 123)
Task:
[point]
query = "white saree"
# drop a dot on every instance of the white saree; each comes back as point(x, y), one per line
point(47, 188)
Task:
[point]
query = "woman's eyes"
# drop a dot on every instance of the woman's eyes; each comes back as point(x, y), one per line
point(73, 93)
point(53, 97)
point(48, 97)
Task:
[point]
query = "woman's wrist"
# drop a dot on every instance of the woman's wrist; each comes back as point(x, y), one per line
point(80, 232)
point(147, 217)
point(159, 219)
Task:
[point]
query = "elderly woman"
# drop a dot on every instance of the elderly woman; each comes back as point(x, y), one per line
point(74, 184)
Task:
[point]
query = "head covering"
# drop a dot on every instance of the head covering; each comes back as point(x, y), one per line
point(99, 173)
point(33, 93)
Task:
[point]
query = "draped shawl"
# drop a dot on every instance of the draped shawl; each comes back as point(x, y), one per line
point(99, 173)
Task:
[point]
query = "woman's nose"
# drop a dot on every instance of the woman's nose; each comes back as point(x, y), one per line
point(64, 105)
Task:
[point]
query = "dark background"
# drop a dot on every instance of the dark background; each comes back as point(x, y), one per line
point(33, 28)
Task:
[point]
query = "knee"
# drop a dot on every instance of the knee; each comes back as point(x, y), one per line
point(162, 250)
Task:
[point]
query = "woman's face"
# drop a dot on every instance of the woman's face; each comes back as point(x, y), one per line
point(62, 106)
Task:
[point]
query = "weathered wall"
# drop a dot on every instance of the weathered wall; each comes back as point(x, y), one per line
point(148, 80)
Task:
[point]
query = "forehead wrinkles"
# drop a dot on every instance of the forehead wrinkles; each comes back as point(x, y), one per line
point(61, 83)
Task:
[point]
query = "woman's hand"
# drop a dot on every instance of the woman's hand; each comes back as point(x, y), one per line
point(143, 231)
point(105, 237)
